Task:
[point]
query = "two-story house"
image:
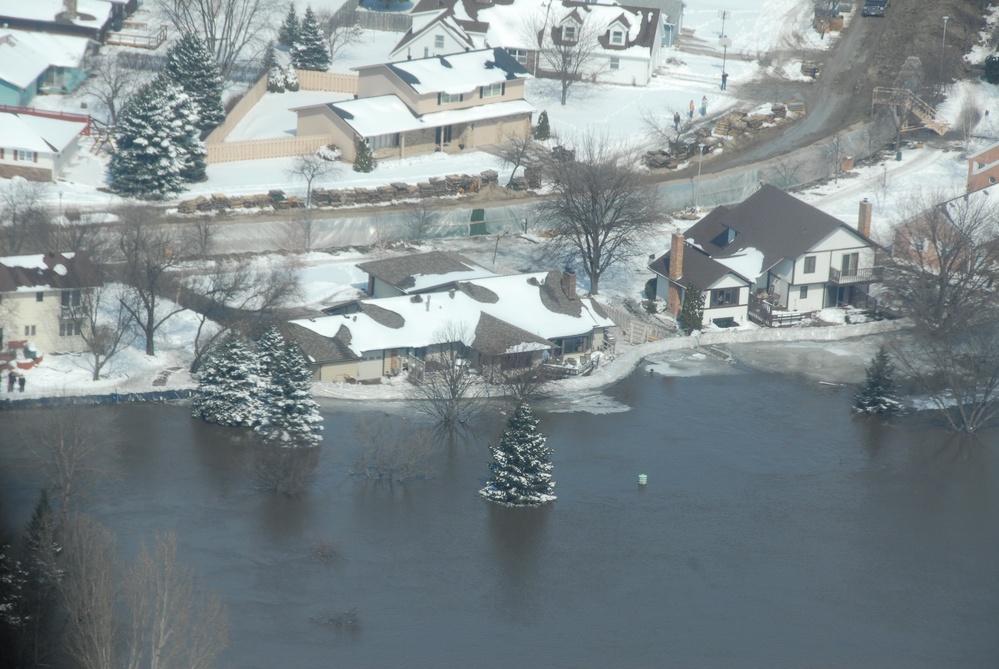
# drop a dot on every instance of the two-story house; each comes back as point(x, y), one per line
point(448, 103)
point(40, 144)
point(42, 297)
point(770, 259)
point(628, 39)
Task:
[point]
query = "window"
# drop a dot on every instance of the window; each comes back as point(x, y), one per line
point(918, 243)
point(617, 37)
point(39, 297)
point(569, 33)
point(809, 265)
point(25, 155)
point(446, 98)
point(850, 263)
point(438, 41)
point(29, 330)
point(491, 91)
point(383, 141)
point(803, 293)
point(615, 63)
point(520, 55)
point(70, 298)
point(724, 296)
point(69, 329)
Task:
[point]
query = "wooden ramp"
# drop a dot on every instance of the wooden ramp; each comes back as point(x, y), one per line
point(903, 97)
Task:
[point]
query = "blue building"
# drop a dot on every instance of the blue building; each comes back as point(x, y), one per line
point(32, 63)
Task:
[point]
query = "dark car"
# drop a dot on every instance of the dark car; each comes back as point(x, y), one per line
point(874, 8)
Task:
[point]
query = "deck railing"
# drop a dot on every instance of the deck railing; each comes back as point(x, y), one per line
point(860, 275)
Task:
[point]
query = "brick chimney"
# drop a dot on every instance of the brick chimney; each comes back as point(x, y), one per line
point(69, 9)
point(676, 257)
point(864, 218)
point(569, 283)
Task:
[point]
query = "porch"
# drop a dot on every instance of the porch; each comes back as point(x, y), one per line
point(764, 313)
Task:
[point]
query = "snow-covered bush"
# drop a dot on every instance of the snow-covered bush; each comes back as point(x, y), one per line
point(291, 79)
point(275, 80)
point(329, 152)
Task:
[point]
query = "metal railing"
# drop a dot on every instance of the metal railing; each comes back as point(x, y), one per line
point(859, 275)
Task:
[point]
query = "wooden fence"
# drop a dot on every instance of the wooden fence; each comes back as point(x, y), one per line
point(221, 151)
point(259, 149)
point(634, 330)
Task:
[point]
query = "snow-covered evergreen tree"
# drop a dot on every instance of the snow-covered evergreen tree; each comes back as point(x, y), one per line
point(43, 573)
point(291, 82)
point(878, 396)
point(190, 65)
point(270, 343)
point(364, 160)
point(275, 80)
point(288, 32)
point(692, 309)
point(309, 52)
point(156, 143)
point(270, 57)
point(12, 583)
point(293, 418)
point(232, 387)
point(521, 467)
point(543, 129)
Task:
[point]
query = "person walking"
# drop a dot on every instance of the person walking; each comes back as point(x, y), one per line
point(20, 383)
point(724, 80)
point(691, 115)
point(676, 121)
point(704, 105)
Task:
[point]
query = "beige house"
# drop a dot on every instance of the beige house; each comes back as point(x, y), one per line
point(448, 103)
point(41, 301)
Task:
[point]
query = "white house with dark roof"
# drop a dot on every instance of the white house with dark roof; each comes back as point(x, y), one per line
point(462, 101)
point(37, 147)
point(501, 323)
point(629, 38)
point(771, 259)
point(41, 297)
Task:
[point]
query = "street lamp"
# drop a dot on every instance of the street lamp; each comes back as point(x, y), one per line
point(943, 45)
point(697, 184)
point(724, 41)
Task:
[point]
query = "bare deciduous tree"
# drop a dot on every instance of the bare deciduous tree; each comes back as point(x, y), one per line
point(835, 151)
point(104, 327)
point(783, 172)
point(312, 169)
point(524, 385)
point(516, 151)
point(599, 209)
point(231, 28)
point(664, 129)
point(568, 56)
point(339, 35)
point(90, 590)
point(447, 388)
point(24, 219)
point(387, 453)
point(422, 216)
point(149, 251)
point(112, 83)
point(175, 620)
point(283, 470)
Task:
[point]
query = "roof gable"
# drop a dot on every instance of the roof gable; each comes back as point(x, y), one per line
point(54, 271)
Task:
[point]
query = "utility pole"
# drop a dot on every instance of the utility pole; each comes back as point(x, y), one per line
point(943, 46)
point(724, 41)
point(697, 185)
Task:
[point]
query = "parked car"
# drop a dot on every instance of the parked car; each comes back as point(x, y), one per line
point(874, 8)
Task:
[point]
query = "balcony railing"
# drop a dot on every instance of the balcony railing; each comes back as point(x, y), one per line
point(861, 275)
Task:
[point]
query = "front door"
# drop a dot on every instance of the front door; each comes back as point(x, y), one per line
point(443, 135)
point(850, 263)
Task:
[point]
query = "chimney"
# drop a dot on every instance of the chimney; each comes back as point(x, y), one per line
point(569, 283)
point(676, 257)
point(864, 218)
point(450, 293)
point(428, 303)
point(69, 9)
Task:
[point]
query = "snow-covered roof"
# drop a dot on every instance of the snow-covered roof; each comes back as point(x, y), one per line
point(36, 133)
point(20, 65)
point(528, 302)
point(385, 114)
point(415, 273)
point(458, 73)
point(25, 55)
point(748, 263)
point(89, 13)
point(47, 270)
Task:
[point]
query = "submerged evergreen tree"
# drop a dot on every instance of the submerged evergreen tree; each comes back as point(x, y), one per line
point(364, 160)
point(156, 144)
point(12, 617)
point(878, 396)
point(309, 52)
point(190, 65)
point(293, 419)
point(231, 387)
point(42, 575)
point(521, 467)
point(692, 309)
point(542, 130)
point(288, 32)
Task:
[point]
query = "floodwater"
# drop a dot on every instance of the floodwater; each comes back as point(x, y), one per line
point(775, 530)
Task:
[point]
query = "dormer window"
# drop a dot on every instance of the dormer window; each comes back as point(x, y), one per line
point(726, 237)
point(569, 33)
point(617, 37)
point(438, 41)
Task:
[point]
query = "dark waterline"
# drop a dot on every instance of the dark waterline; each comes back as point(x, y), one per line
point(776, 530)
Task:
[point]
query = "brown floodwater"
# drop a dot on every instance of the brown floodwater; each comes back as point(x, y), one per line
point(776, 530)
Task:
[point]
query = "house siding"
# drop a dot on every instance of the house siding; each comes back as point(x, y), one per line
point(375, 81)
point(17, 97)
point(337, 372)
point(23, 310)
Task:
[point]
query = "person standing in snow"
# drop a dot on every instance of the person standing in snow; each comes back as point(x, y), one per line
point(724, 80)
point(704, 105)
point(691, 115)
point(11, 380)
point(20, 383)
point(676, 121)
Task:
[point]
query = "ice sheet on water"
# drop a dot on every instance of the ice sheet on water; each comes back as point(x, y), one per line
point(596, 403)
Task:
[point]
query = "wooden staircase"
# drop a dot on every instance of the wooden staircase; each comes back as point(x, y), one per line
point(903, 97)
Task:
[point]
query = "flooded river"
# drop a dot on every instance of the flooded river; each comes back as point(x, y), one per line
point(775, 530)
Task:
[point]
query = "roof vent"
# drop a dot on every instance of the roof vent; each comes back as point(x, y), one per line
point(416, 299)
point(490, 64)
